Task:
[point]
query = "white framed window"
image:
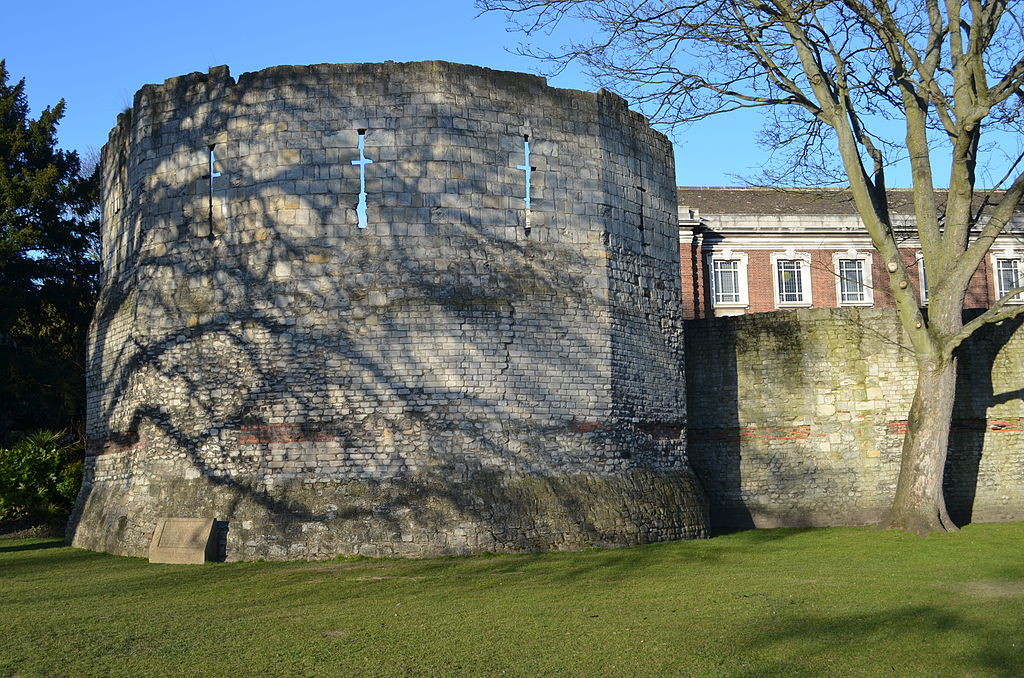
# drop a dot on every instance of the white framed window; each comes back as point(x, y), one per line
point(923, 278)
point(726, 281)
point(727, 277)
point(853, 278)
point(792, 278)
point(1008, 274)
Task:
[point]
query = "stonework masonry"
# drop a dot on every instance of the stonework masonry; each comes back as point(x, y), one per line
point(332, 321)
point(797, 418)
point(466, 373)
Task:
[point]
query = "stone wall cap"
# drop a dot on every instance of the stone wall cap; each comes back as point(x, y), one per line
point(221, 75)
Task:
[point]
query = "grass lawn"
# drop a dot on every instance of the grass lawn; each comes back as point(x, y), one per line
point(829, 602)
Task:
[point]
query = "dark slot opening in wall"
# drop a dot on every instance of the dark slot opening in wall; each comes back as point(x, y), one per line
point(213, 174)
point(362, 163)
point(528, 170)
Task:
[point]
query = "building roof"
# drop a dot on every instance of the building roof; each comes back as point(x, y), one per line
point(794, 201)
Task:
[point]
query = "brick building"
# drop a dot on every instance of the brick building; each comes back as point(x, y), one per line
point(752, 250)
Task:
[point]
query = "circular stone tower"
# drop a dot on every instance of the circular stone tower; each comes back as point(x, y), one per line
point(387, 309)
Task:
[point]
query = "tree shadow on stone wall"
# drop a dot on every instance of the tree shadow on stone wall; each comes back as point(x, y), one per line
point(713, 435)
point(759, 471)
point(726, 423)
point(975, 398)
point(236, 332)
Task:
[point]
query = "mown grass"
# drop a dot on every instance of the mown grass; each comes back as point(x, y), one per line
point(833, 602)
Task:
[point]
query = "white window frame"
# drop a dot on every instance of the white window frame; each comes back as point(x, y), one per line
point(1006, 255)
point(922, 278)
point(741, 259)
point(866, 282)
point(804, 259)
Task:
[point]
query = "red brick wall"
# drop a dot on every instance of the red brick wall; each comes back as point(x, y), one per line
point(981, 292)
point(761, 291)
point(695, 300)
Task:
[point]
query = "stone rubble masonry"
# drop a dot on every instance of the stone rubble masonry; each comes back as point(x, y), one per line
point(440, 382)
point(798, 418)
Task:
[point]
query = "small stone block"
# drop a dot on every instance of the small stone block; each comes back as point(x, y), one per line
point(183, 541)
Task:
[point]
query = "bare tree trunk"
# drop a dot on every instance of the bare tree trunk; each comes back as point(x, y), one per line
point(919, 505)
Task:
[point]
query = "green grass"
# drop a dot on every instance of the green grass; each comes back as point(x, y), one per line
point(834, 602)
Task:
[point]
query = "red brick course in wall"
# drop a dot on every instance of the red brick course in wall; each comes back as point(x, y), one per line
point(994, 425)
point(264, 434)
point(738, 434)
point(895, 427)
point(697, 302)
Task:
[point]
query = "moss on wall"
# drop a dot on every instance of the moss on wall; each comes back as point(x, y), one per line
point(797, 418)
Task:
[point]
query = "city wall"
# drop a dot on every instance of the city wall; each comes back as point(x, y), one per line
point(331, 320)
point(797, 418)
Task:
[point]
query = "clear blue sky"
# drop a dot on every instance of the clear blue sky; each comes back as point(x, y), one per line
point(96, 53)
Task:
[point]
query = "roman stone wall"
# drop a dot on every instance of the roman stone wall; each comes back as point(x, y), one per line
point(797, 418)
point(462, 374)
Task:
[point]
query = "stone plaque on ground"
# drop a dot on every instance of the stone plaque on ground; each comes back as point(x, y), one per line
point(183, 541)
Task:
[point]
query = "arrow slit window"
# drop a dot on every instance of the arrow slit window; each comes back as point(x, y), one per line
point(362, 163)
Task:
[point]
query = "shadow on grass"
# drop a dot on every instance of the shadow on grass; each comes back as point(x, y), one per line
point(618, 564)
point(632, 561)
point(912, 640)
point(34, 546)
point(765, 536)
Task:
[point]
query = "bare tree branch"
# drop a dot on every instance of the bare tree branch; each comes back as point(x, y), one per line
point(833, 74)
point(997, 313)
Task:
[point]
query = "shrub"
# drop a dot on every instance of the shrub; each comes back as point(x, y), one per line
point(39, 477)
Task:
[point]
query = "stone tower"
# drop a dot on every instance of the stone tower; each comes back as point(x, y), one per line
point(387, 309)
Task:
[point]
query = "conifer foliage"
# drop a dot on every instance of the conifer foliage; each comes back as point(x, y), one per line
point(48, 268)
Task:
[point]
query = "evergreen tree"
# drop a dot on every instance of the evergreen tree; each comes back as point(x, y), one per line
point(48, 268)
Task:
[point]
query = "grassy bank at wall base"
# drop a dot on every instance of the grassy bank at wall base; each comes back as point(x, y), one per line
point(831, 602)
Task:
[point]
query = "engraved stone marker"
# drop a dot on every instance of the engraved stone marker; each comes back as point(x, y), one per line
point(183, 541)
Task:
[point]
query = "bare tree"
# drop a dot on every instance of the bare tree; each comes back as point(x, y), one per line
point(836, 76)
